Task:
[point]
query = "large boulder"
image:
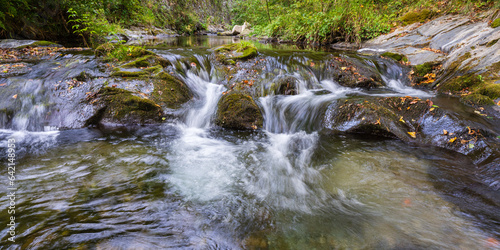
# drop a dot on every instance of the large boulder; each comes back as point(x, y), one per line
point(411, 119)
point(119, 106)
point(238, 111)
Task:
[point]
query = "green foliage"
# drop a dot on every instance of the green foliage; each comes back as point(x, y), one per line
point(326, 21)
point(395, 56)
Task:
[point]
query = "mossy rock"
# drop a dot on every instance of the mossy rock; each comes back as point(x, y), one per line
point(491, 43)
point(121, 106)
point(238, 111)
point(416, 16)
point(137, 73)
point(461, 83)
point(477, 99)
point(170, 91)
point(146, 61)
point(423, 69)
point(495, 23)
point(230, 53)
point(284, 86)
point(395, 56)
point(120, 52)
point(40, 44)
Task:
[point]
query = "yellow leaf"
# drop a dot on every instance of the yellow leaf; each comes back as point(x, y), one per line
point(343, 68)
point(431, 109)
point(452, 139)
point(412, 134)
point(445, 132)
point(401, 120)
point(14, 96)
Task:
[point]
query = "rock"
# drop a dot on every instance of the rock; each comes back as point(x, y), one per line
point(169, 91)
point(350, 73)
point(121, 106)
point(413, 120)
point(238, 111)
point(237, 29)
point(230, 53)
point(446, 40)
point(20, 44)
point(285, 86)
point(120, 52)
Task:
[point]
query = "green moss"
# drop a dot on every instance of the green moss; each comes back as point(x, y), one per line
point(229, 53)
point(461, 83)
point(140, 73)
point(423, 69)
point(238, 111)
point(416, 16)
point(477, 99)
point(491, 90)
point(495, 23)
point(491, 43)
point(170, 91)
point(395, 56)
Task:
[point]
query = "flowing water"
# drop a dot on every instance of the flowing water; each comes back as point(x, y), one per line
point(188, 184)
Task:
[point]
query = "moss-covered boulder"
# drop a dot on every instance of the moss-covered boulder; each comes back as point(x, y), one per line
point(284, 86)
point(121, 106)
point(169, 91)
point(238, 111)
point(230, 53)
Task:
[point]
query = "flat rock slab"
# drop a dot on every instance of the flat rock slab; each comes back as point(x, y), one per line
point(458, 41)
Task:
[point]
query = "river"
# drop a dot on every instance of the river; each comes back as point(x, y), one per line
point(188, 184)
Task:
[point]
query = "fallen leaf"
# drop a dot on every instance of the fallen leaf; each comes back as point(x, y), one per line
point(412, 134)
point(401, 120)
point(407, 203)
point(471, 145)
point(445, 132)
point(452, 139)
point(431, 109)
point(14, 96)
point(492, 242)
point(163, 118)
point(3, 84)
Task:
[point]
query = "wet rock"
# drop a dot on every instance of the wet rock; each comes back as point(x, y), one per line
point(285, 86)
point(415, 120)
point(238, 111)
point(230, 53)
point(226, 33)
point(121, 106)
point(352, 74)
point(169, 91)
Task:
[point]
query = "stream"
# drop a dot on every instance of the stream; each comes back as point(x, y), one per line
point(188, 184)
